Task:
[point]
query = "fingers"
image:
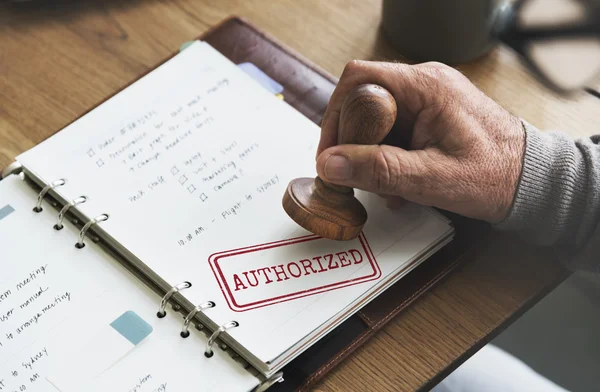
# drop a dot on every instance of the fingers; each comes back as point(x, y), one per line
point(398, 79)
point(380, 169)
point(329, 129)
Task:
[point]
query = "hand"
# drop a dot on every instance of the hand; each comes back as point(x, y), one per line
point(465, 153)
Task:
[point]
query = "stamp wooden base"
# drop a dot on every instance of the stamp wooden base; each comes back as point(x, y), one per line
point(321, 209)
point(332, 211)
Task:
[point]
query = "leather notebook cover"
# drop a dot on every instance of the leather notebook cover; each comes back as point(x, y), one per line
point(308, 88)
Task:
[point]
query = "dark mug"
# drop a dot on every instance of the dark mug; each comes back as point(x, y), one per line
point(449, 31)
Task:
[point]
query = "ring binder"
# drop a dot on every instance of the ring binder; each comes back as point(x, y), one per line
point(52, 185)
point(165, 299)
point(186, 322)
point(63, 211)
point(211, 341)
point(269, 382)
point(84, 229)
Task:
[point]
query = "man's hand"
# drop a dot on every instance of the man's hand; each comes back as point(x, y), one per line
point(465, 152)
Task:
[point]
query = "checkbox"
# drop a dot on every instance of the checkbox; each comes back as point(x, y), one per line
point(183, 179)
point(174, 170)
point(100, 162)
point(191, 188)
point(91, 153)
point(203, 196)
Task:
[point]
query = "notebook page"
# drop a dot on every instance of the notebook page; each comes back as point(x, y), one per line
point(54, 298)
point(192, 160)
point(352, 308)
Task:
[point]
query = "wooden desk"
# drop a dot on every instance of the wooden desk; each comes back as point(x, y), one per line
point(58, 60)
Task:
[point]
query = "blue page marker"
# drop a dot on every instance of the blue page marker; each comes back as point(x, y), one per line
point(257, 74)
point(6, 211)
point(185, 45)
point(253, 71)
point(132, 327)
point(105, 347)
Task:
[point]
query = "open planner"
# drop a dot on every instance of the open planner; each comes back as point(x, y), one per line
point(167, 259)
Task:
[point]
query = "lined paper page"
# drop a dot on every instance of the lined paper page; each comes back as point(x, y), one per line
point(193, 160)
point(54, 298)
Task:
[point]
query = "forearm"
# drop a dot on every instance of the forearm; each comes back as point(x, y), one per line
point(557, 202)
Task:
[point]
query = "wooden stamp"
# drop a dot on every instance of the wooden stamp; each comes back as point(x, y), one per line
point(332, 211)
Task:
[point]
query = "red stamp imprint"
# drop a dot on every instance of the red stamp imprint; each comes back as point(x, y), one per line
point(275, 272)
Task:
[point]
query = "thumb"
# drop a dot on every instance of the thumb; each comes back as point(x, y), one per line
point(375, 168)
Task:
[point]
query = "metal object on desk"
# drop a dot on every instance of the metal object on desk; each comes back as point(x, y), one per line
point(450, 31)
point(558, 40)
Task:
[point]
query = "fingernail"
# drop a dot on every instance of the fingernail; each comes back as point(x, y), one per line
point(337, 168)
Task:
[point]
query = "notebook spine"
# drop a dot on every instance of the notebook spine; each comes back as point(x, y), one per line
point(100, 218)
point(65, 209)
point(265, 384)
point(68, 208)
point(79, 200)
point(208, 352)
point(162, 310)
point(42, 194)
point(188, 319)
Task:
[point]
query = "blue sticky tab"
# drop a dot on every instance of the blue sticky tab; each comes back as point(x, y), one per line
point(132, 327)
point(6, 211)
point(257, 74)
point(185, 45)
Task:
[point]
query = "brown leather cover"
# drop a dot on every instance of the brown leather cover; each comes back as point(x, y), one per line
point(307, 88)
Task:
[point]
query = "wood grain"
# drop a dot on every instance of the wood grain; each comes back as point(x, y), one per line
point(59, 58)
point(451, 322)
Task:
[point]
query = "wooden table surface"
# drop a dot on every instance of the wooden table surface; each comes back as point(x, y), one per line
point(58, 58)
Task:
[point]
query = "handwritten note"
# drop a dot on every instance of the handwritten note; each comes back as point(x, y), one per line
point(147, 383)
point(28, 302)
point(194, 159)
point(197, 134)
point(144, 140)
point(26, 375)
point(33, 302)
point(39, 296)
point(55, 299)
point(139, 381)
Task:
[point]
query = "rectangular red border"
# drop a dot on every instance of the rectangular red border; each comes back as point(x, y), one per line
point(215, 259)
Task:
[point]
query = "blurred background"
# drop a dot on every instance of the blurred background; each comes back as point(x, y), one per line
point(558, 337)
point(557, 41)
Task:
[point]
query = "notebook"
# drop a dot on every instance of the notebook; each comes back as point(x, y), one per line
point(57, 304)
point(181, 174)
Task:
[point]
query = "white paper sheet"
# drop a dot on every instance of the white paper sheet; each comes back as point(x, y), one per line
point(192, 160)
point(55, 297)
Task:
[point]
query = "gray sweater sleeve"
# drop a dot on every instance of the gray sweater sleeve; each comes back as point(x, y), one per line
point(557, 202)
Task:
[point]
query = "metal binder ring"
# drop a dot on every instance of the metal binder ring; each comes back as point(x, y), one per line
point(269, 382)
point(186, 322)
point(84, 229)
point(211, 341)
point(63, 211)
point(175, 289)
point(40, 198)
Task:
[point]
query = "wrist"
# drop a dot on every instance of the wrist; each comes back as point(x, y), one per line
point(550, 195)
point(510, 163)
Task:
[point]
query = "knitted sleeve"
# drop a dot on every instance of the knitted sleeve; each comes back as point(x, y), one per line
point(557, 202)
